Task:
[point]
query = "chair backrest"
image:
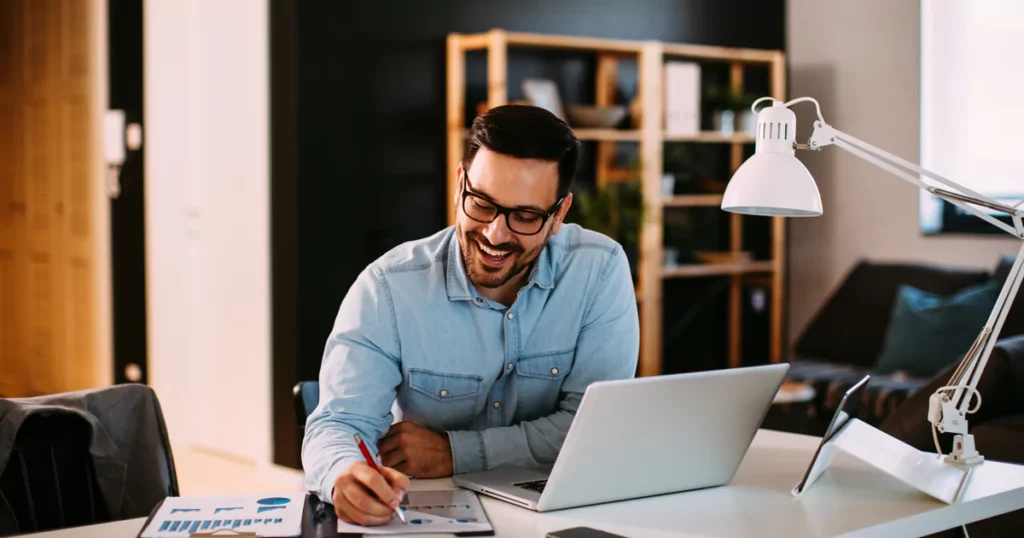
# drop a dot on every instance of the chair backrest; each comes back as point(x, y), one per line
point(307, 397)
point(49, 481)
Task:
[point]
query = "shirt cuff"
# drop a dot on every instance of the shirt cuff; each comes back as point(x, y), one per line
point(326, 491)
point(468, 454)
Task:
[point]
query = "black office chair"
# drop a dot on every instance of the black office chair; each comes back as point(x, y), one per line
point(49, 481)
point(307, 396)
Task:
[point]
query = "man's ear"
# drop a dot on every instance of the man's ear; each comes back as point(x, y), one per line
point(559, 216)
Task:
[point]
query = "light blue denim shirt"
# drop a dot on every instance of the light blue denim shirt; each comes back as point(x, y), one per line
point(414, 341)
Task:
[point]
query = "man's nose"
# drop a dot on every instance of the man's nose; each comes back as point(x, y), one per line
point(497, 231)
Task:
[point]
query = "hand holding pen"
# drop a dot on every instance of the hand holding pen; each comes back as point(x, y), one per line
point(367, 494)
point(372, 462)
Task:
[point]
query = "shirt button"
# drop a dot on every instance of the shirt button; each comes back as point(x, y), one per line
point(479, 300)
point(497, 405)
point(511, 315)
point(554, 371)
point(444, 393)
point(509, 367)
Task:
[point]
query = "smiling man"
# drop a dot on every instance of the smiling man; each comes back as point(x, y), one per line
point(472, 348)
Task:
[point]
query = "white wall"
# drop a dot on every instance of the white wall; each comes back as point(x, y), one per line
point(207, 222)
point(861, 60)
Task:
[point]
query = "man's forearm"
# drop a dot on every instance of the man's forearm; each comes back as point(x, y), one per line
point(328, 448)
point(535, 442)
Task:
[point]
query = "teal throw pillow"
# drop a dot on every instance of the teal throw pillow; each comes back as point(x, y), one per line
point(928, 332)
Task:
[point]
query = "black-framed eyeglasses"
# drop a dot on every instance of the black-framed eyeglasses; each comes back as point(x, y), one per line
point(484, 210)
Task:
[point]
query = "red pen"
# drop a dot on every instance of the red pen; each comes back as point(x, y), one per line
point(371, 461)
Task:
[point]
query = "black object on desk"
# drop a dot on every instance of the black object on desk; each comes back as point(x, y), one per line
point(582, 532)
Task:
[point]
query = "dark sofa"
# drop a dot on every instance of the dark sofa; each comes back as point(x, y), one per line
point(845, 337)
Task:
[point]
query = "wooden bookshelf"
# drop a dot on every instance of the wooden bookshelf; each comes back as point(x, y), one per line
point(651, 137)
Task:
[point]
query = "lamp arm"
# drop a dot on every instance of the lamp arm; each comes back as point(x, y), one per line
point(826, 135)
point(995, 324)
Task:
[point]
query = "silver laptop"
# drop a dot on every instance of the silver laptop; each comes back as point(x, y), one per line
point(648, 436)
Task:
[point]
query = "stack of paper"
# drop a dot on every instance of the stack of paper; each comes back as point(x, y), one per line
point(263, 515)
point(426, 512)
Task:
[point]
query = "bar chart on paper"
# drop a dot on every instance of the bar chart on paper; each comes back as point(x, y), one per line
point(191, 527)
point(432, 512)
point(261, 514)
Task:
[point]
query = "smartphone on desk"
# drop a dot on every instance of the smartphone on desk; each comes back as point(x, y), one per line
point(582, 532)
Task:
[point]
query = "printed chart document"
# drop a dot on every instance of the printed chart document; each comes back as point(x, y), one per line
point(443, 511)
point(264, 515)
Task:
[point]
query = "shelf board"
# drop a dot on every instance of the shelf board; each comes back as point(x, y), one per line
point(607, 134)
point(705, 52)
point(693, 200)
point(712, 136)
point(521, 39)
point(621, 46)
point(713, 269)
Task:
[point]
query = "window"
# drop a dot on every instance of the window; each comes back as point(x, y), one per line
point(972, 105)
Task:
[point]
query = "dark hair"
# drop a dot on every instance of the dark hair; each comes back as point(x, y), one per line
point(526, 132)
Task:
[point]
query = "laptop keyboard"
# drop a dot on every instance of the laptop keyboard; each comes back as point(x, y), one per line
point(536, 486)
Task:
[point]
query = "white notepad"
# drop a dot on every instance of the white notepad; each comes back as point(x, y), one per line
point(440, 511)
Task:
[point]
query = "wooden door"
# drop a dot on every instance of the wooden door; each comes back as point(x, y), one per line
point(51, 312)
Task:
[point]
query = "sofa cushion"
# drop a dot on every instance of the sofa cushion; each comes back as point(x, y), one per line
point(927, 332)
point(852, 324)
point(1014, 324)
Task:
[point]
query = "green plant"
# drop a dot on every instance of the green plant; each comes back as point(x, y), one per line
point(728, 99)
point(615, 209)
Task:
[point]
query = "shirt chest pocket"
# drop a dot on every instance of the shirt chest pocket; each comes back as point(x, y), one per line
point(441, 400)
point(539, 382)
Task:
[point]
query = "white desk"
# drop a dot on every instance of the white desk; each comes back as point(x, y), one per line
point(851, 499)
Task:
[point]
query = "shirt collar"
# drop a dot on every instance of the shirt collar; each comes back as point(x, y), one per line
point(457, 281)
point(460, 288)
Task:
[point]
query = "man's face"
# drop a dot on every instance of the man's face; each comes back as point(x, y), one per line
point(493, 253)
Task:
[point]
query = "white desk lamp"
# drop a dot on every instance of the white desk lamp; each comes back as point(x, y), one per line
point(774, 183)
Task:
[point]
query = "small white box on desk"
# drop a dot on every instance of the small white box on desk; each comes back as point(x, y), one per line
point(682, 98)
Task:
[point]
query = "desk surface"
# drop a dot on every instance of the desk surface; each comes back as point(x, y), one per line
point(851, 499)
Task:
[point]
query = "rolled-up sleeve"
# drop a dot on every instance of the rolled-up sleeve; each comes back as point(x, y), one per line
point(359, 379)
point(607, 348)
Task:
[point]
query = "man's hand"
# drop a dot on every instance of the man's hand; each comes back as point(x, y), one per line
point(416, 451)
point(365, 497)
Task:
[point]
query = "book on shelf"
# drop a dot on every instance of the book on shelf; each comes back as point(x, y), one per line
point(682, 98)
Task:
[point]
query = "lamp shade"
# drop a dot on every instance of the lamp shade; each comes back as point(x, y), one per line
point(773, 182)
point(772, 185)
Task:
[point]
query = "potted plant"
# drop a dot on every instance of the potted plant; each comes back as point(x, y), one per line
point(723, 110)
point(747, 119)
point(730, 111)
point(614, 209)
